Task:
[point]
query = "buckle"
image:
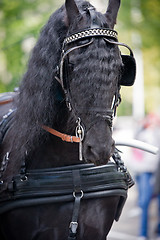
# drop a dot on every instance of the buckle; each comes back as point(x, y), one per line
point(73, 226)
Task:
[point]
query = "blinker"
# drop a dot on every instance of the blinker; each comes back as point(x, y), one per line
point(129, 70)
point(129, 65)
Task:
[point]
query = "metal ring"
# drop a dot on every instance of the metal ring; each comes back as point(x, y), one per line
point(79, 127)
point(23, 179)
point(82, 194)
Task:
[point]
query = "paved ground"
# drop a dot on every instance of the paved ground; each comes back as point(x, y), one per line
point(127, 227)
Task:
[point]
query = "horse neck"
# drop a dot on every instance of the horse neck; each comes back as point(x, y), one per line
point(54, 153)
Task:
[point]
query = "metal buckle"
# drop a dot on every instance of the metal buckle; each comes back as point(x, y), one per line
point(24, 178)
point(73, 226)
point(80, 135)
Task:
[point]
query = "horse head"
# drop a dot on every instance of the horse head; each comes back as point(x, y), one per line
point(90, 74)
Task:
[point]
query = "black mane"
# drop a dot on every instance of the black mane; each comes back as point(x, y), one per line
point(40, 94)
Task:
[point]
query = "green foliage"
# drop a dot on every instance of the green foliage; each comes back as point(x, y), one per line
point(20, 23)
point(151, 22)
point(142, 17)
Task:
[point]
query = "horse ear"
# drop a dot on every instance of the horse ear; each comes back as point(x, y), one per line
point(72, 10)
point(112, 11)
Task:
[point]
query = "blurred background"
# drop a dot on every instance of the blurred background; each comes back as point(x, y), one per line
point(138, 25)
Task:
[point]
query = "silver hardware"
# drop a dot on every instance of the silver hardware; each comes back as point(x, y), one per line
point(69, 106)
point(113, 102)
point(8, 114)
point(4, 166)
point(82, 194)
point(73, 226)
point(7, 156)
point(5, 160)
point(80, 135)
point(23, 179)
point(91, 33)
point(5, 116)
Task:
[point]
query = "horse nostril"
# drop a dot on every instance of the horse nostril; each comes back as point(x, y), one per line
point(91, 153)
point(89, 149)
point(99, 153)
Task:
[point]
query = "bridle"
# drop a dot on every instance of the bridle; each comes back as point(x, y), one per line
point(91, 33)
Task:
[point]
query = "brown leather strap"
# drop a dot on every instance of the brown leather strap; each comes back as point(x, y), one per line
point(6, 101)
point(63, 136)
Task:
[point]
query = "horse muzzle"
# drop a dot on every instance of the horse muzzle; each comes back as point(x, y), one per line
point(98, 145)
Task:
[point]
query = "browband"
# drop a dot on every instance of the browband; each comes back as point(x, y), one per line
point(105, 32)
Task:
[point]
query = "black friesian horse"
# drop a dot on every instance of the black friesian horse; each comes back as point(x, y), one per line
point(71, 88)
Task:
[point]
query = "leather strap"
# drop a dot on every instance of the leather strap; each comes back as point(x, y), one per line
point(78, 194)
point(64, 137)
point(6, 101)
point(74, 223)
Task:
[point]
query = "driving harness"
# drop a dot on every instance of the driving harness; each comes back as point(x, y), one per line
point(78, 182)
point(65, 184)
